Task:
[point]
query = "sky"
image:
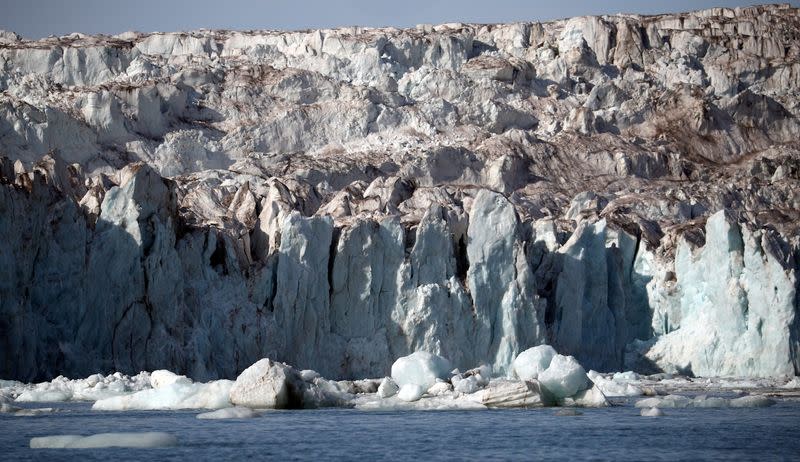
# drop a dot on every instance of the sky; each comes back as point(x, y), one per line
point(40, 18)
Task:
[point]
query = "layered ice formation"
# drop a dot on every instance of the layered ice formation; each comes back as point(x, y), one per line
point(624, 188)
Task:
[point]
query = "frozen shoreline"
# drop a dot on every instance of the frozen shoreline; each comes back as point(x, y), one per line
point(417, 385)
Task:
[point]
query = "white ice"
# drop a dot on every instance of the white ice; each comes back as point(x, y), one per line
point(420, 368)
point(410, 392)
point(652, 412)
point(177, 395)
point(92, 388)
point(106, 440)
point(230, 413)
point(564, 377)
point(702, 401)
point(616, 387)
point(533, 361)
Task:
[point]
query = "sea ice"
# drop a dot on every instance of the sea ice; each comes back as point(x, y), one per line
point(564, 377)
point(229, 413)
point(533, 361)
point(420, 368)
point(177, 395)
point(106, 440)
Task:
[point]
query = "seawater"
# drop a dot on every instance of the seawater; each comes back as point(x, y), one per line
point(616, 433)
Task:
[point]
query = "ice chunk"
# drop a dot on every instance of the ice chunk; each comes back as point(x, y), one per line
point(106, 440)
point(440, 388)
point(513, 394)
point(567, 413)
point(533, 361)
point(7, 408)
point(162, 378)
point(651, 412)
point(177, 395)
point(752, 401)
point(265, 384)
point(308, 375)
point(465, 384)
point(420, 368)
point(614, 388)
point(44, 396)
point(591, 397)
point(628, 376)
point(564, 377)
point(670, 401)
point(387, 388)
point(229, 413)
point(713, 402)
point(410, 392)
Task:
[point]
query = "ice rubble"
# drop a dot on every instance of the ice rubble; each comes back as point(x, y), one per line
point(269, 384)
point(105, 440)
point(92, 388)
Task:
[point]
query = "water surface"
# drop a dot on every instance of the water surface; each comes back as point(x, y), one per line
point(616, 433)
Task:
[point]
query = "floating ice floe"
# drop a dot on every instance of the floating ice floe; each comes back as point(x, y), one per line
point(229, 413)
point(106, 440)
point(703, 401)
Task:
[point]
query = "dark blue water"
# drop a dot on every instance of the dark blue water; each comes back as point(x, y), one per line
point(617, 433)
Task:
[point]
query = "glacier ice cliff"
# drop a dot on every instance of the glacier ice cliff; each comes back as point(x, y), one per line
point(625, 188)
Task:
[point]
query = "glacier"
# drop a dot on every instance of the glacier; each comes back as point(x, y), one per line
point(624, 188)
